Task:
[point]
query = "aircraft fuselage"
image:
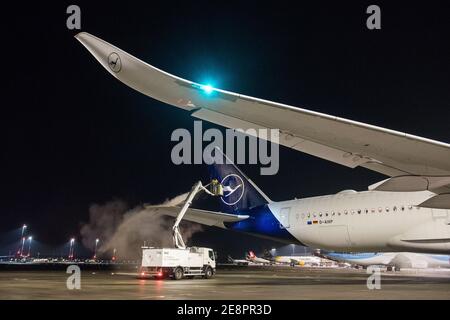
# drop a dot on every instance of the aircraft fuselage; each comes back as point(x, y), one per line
point(353, 221)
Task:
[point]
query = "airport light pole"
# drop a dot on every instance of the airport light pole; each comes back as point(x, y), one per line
point(293, 248)
point(95, 250)
point(21, 248)
point(71, 248)
point(30, 238)
point(24, 227)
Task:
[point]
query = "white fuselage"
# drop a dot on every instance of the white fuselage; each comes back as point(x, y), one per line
point(258, 260)
point(366, 221)
point(301, 260)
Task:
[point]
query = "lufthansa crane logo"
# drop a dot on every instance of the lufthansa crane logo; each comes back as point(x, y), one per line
point(233, 189)
point(114, 62)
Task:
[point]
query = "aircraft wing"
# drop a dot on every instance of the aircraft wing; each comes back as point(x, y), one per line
point(209, 218)
point(346, 142)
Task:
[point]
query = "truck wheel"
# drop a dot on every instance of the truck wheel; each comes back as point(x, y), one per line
point(208, 273)
point(178, 274)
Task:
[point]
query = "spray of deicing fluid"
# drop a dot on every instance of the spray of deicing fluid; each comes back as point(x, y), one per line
point(125, 229)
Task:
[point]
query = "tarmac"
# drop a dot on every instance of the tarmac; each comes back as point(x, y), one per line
point(265, 283)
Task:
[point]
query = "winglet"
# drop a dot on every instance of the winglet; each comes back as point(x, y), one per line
point(139, 75)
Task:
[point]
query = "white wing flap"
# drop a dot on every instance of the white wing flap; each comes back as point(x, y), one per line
point(411, 183)
point(343, 141)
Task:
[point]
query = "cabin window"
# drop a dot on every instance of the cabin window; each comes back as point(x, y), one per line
point(410, 207)
point(346, 212)
point(359, 211)
point(320, 214)
point(395, 208)
point(403, 208)
point(373, 210)
point(326, 214)
point(367, 211)
point(380, 209)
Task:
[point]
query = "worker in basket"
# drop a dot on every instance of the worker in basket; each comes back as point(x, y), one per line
point(216, 187)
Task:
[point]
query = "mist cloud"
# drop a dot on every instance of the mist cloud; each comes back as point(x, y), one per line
point(124, 229)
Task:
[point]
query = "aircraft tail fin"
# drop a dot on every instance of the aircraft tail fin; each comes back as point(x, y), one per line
point(239, 192)
point(251, 255)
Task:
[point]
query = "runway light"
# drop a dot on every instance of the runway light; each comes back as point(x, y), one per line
point(207, 88)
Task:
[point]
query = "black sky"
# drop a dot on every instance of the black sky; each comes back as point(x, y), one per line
point(72, 135)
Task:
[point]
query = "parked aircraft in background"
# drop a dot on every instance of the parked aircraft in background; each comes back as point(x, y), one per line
point(298, 260)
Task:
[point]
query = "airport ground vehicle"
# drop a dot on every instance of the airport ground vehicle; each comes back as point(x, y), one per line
point(178, 263)
point(181, 261)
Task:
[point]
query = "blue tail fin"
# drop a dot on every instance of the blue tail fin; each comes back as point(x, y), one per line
point(239, 192)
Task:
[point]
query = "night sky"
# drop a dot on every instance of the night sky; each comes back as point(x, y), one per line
point(72, 135)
